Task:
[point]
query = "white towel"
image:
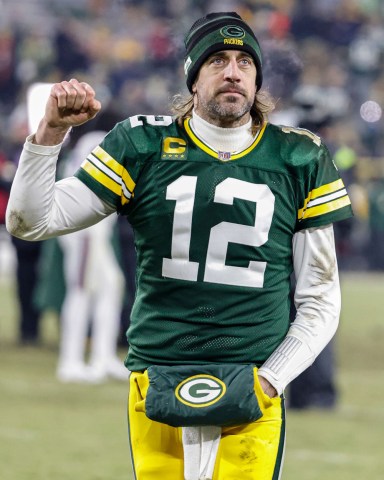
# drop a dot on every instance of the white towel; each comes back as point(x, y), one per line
point(200, 446)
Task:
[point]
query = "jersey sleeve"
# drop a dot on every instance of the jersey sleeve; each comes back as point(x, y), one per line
point(324, 198)
point(111, 167)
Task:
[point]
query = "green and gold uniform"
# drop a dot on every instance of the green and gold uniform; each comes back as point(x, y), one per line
point(213, 233)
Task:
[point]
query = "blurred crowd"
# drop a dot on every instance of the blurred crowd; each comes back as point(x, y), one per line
point(323, 63)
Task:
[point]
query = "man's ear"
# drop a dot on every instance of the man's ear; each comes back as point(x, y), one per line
point(194, 88)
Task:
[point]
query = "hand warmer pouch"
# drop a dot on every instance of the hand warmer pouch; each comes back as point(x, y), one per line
point(198, 395)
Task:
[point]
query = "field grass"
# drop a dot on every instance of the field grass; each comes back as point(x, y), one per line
point(64, 432)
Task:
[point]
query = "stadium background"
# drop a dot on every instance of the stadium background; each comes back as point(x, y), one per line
point(323, 61)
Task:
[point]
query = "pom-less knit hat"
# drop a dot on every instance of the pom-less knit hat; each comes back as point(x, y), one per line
point(215, 32)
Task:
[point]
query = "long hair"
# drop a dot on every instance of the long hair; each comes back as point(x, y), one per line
point(182, 106)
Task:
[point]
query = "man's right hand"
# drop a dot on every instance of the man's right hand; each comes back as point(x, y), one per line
point(70, 104)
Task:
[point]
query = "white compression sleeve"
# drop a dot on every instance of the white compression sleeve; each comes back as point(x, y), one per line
point(39, 207)
point(318, 302)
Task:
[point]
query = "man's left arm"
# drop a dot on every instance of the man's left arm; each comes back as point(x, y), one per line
point(317, 300)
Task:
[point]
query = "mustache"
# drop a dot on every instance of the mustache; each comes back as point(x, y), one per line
point(231, 88)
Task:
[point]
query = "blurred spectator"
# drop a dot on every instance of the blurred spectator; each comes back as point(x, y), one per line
point(27, 253)
point(8, 82)
point(27, 256)
point(94, 293)
point(70, 54)
point(376, 223)
point(124, 241)
point(7, 171)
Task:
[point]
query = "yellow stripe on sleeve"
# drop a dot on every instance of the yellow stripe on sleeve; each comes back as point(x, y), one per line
point(326, 207)
point(115, 166)
point(326, 189)
point(104, 180)
point(318, 192)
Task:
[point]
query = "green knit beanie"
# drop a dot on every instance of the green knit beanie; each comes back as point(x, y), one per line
point(216, 32)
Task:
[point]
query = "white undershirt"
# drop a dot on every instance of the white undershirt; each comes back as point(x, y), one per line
point(41, 208)
point(231, 140)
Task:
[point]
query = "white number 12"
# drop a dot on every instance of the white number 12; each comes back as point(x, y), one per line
point(179, 266)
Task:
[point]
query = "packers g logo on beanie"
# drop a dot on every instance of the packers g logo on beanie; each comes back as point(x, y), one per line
point(216, 32)
point(233, 31)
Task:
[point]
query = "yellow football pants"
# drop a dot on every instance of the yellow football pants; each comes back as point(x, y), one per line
point(248, 452)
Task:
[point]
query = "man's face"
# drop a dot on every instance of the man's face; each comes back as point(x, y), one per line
point(225, 88)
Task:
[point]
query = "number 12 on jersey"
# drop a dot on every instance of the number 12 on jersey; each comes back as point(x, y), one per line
point(179, 266)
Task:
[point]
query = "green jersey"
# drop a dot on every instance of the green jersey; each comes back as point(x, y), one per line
point(213, 234)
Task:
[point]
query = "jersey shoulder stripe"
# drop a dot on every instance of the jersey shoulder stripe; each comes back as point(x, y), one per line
point(115, 166)
point(324, 199)
point(109, 173)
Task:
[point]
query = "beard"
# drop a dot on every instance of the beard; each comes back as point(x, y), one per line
point(226, 110)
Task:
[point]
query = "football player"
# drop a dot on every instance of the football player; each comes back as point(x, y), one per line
point(224, 206)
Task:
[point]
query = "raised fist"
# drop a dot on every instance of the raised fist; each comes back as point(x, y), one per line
point(70, 104)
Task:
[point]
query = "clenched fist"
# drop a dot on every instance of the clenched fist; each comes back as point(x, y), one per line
point(70, 104)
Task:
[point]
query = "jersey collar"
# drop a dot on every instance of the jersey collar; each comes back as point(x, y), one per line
point(215, 153)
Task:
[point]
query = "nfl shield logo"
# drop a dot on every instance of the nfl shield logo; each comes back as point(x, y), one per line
point(224, 155)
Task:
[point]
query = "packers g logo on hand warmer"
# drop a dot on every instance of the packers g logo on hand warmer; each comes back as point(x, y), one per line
point(200, 390)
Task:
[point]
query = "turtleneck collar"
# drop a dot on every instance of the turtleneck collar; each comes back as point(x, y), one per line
point(222, 139)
